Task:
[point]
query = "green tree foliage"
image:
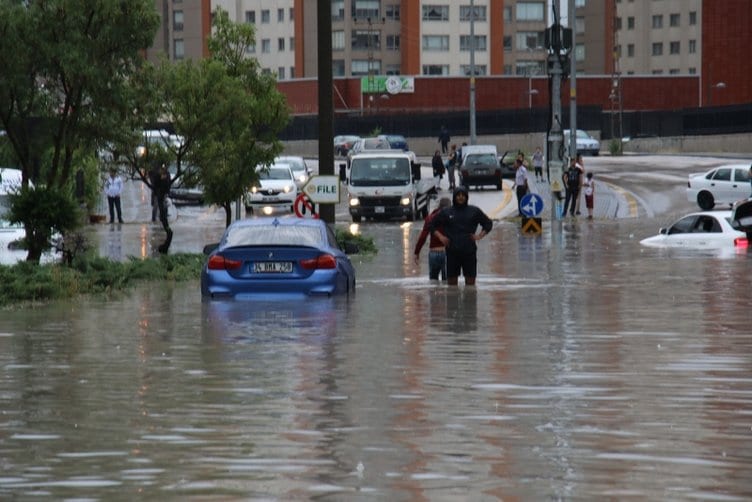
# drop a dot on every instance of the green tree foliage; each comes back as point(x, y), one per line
point(66, 85)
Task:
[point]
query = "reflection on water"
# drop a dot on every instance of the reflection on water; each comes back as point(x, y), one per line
point(581, 366)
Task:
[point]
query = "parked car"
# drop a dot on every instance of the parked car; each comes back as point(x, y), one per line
point(396, 141)
point(343, 143)
point(586, 144)
point(299, 168)
point(725, 184)
point(267, 256)
point(706, 229)
point(480, 166)
point(276, 188)
point(182, 194)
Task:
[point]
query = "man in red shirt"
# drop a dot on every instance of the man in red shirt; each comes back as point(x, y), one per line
point(436, 253)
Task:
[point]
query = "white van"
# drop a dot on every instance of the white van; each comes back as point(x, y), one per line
point(480, 166)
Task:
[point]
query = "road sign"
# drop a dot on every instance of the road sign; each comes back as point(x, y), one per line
point(303, 207)
point(322, 189)
point(531, 205)
point(531, 225)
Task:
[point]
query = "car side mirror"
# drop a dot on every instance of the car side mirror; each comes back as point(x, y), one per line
point(209, 248)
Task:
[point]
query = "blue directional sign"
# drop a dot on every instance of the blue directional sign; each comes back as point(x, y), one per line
point(531, 205)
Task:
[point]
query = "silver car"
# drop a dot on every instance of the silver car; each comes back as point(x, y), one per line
point(725, 184)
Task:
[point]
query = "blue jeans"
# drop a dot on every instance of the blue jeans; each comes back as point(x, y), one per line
point(436, 265)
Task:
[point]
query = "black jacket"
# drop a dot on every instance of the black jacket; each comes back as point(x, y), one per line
point(460, 223)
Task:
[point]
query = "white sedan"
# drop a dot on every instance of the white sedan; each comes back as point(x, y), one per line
point(706, 229)
point(275, 188)
point(723, 185)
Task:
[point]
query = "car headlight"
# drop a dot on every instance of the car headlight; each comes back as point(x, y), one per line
point(254, 189)
point(354, 201)
point(405, 201)
point(302, 178)
point(288, 188)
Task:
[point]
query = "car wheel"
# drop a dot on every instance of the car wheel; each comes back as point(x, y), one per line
point(705, 201)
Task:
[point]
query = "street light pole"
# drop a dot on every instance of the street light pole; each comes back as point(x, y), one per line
point(472, 73)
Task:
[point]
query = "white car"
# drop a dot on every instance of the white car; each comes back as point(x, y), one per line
point(701, 230)
point(299, 168)
point(723, 185)
point(276, 188)
point(586, 144)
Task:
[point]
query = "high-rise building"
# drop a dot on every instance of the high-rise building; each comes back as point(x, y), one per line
point(183, 30)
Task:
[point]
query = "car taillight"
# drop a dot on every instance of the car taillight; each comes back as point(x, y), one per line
point(741, 242)
point(320, 262)
point(219, 262)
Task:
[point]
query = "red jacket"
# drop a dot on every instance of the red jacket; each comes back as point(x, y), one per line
point(434, 243)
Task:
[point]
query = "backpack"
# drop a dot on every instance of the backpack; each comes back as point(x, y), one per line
point(573, 177)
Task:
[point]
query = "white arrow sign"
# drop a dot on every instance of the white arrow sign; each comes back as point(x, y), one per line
point(322, 189)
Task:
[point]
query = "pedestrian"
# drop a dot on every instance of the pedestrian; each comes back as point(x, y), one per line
point(436, 250)
point(538, 164)
point(113, 187)
point(437, 163)
point(520, 182)
point(589, 186)
point(161, 189)
point(451, 165)
point(444, 139)
point(581, 166)
point(455, 227)
point(458, 163)
point(571, 179)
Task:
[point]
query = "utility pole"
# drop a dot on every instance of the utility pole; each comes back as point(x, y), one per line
point(326, 105)
point(558, 40)
point(472, 73)
point(572, 84)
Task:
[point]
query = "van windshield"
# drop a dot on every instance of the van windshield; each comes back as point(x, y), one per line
point(380, 172)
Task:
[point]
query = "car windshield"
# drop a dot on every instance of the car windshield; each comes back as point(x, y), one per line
point(274, 235)
point(380, 172)
point(376, 144)
point(276, 172)
point(296, 164)
point(483, 158)
point(582, 134)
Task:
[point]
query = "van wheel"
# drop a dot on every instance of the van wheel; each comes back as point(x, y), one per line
point(705, 201)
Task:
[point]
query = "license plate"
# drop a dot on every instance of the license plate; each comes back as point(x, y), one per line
point(272, 267)
point(480, 171)
point(270, 199)
point(379, 209)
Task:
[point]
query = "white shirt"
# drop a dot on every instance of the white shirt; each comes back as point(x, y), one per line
point(520, 176)
point(113, 185)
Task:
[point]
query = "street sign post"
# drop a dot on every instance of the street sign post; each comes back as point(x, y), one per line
point(531, 205)
point(322, 189)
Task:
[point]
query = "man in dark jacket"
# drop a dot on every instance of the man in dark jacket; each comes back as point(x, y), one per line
point(459, 224)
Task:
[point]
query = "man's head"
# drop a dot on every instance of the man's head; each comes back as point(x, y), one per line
point(113, 171)
point(460, 196)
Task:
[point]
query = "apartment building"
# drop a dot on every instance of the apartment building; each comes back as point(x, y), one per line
point(183, 30)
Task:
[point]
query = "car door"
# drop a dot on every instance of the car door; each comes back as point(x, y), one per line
point(721, 185)
point(741, 187)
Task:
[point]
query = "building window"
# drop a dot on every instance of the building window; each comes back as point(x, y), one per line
point(657, 21)
point(363, 9)
point(435, 43)
point(529, 40)
point(250, 16)
point(630, 23)
point(338, 14)
point(393, 12)
point(365, 39)
point(177, 20)
point(265, 16)
point(507, 14)
point(673, 71)
point(480, 69)
point(435, 69)
point(466, 42)
point(281, 44)
point(579, 3)
point(657, 49)
point(579, 52)
point(675, 20)
point(392, 69)
point(435, 13)
point(365, 66)
point(528, 68)
point(507, 69)
point(292, 14)
point(266, 46)
point(281, 73)
point(392, 42)
point(692, 18)
point(630, 50)
point(178, 48)
point(338, 68)
point(692, 46)
point(480, 13)
point(251, 49)
point(657, 72)
point(530, 11)
point(292, 43)
point(292, 72)
point(579, 24)
point(280, 15)
point(507, 43)
point(674, 47)
point(692, 71)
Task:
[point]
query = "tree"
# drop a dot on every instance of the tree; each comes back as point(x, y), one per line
point(66, 68)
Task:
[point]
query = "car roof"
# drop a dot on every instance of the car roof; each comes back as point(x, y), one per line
point(469, 149)
point(376, 154)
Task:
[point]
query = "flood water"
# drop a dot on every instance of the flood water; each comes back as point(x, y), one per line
point(581, 367)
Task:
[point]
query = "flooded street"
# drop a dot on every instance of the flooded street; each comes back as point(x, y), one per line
point(582, 366)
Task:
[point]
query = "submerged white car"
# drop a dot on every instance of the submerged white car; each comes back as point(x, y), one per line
point(706, 229)
point(724, 184)
point(276, 188)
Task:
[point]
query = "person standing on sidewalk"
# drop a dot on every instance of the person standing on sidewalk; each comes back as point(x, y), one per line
point(581, 166)
point(451, 167)
point(437, 252)
point(571, 179)
point(538, 164)
point(520, 182)
point(455, 227)
point(589, 188)
point(113, 187)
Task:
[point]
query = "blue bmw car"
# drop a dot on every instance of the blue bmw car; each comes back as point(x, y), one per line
point(263, 257)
